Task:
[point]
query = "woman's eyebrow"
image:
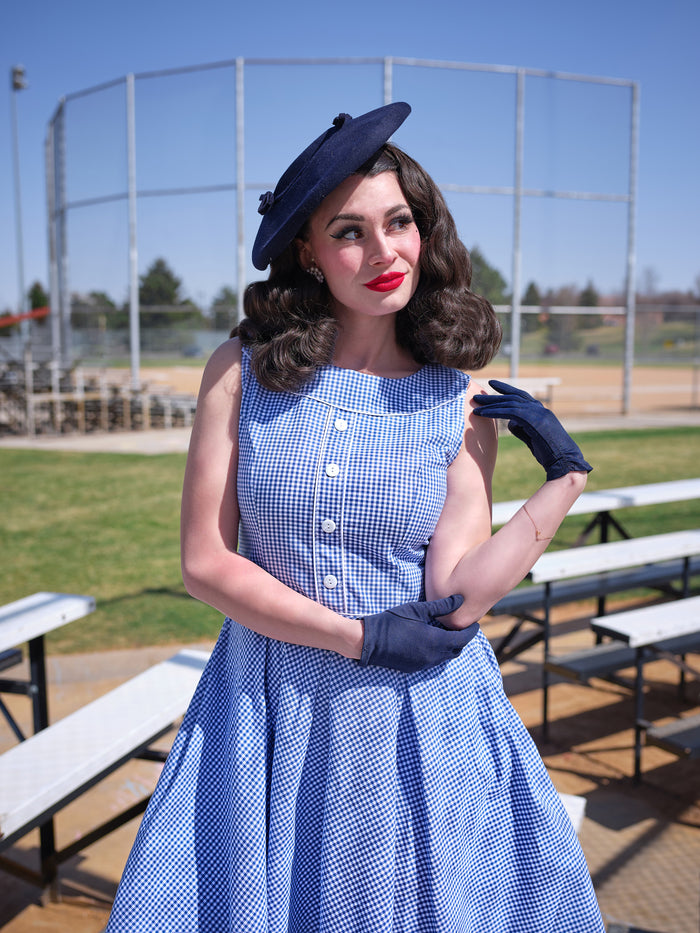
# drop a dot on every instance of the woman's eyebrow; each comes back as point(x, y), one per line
point(358, 218)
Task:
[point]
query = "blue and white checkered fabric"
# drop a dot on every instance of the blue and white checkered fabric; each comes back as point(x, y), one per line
point(306, 794)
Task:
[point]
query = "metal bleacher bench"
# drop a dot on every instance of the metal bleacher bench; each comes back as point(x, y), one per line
point(667, 630)
point(681, 737)
point(524, 601)
point(595, 570)
point(42, 774)
point(605, 659)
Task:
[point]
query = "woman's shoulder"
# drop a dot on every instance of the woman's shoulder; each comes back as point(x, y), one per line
point(223, 368)
point(228, 353)
point(474, 388)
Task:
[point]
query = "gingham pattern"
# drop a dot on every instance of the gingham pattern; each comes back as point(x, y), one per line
point(306, 794)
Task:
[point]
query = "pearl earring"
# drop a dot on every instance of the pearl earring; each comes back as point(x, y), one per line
point(316, 272)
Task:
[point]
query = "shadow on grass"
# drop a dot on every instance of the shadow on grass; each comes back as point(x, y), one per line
point(179, 593)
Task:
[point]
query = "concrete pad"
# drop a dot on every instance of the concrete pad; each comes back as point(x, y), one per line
point(154, 441)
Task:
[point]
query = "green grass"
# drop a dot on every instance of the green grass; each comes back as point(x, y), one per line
point(627, 458)
point(146, 362)
point(104, 525)
point(107, 525)
point(676, 341)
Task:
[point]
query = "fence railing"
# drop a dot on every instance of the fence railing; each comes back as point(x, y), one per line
point(663, 334)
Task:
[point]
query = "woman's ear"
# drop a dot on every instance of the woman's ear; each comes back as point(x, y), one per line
point(304, 256)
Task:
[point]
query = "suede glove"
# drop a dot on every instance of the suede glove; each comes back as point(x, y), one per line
point(402, 638)
point(537, 426)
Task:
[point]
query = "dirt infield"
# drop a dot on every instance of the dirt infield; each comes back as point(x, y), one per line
point(584, 390)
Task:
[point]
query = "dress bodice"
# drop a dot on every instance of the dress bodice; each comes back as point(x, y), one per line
point(341, 484)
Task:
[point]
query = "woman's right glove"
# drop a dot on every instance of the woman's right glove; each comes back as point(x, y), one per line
point(536, 426)
point(402, 638)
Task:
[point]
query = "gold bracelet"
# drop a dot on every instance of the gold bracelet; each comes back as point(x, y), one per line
point(538, 535)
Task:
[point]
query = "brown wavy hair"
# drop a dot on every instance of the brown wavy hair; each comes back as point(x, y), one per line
point(291, 331)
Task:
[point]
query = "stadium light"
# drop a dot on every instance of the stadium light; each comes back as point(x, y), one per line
point(18, 83)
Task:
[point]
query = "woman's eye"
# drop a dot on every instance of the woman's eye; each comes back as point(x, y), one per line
point(400, 223)
point(347, 233)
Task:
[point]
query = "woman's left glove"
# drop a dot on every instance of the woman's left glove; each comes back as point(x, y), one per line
point(536, 426)
point(404, 639)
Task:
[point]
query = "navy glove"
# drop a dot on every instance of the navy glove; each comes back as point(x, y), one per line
point(536, 425)
point(403, 639)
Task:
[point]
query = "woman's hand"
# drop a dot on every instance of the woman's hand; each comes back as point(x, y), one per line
point(403, 639)
point(537, 426)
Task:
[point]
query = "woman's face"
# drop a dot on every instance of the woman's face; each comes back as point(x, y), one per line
point(364, 239)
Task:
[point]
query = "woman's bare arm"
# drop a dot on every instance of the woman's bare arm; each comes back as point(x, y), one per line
point(464, 556)
point(212, 569)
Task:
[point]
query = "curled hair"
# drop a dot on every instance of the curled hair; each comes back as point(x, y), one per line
point(289, 326)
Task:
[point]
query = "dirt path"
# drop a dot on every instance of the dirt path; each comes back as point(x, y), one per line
point(584, 390)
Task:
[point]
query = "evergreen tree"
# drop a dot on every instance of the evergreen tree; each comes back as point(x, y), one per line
point(37, 296)
point(562, 329)
point(159, 286)
point(102, 301)
point(487, 280)
point(589, 298)
point(159, 289)
point(96, 309)
point(224, 309)
point(532, 295)
point(531, 298)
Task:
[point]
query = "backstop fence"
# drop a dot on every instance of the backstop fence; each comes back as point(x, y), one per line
point(157, 165)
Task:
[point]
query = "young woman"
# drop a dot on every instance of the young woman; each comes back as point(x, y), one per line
point(350, 763)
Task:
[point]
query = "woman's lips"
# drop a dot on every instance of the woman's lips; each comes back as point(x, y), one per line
point(387, 282)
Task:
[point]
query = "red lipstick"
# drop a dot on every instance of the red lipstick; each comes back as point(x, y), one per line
point(387, 282)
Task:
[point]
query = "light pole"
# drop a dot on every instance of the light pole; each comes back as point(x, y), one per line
point(18, 83)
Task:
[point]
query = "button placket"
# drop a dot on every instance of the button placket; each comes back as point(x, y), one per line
point(328, 556)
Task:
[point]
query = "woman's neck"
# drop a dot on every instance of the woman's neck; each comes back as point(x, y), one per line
point(368, 345)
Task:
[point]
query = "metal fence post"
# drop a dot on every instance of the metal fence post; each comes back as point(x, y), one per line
point(64, 308)
point(240, 186)
point(630, 317)
point(517, 224)
point(134, 317)
point(18, 84)
point(388, 80)
point(54, 291)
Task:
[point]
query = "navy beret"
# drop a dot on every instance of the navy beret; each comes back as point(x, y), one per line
point(320, 168)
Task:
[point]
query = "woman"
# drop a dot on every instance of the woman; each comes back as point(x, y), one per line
point(349, 763)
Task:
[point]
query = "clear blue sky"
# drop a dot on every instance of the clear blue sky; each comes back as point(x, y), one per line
point(75, 44)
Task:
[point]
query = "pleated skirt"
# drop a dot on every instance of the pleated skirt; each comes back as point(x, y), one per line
point(306, 794)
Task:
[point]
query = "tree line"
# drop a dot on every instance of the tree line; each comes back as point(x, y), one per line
point(163, 304)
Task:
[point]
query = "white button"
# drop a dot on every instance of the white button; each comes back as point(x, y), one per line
point(332, 469)
point(328, 525)
point(329, 581)
point(341, 424)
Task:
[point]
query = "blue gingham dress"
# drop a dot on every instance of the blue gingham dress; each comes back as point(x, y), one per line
point(307, 794)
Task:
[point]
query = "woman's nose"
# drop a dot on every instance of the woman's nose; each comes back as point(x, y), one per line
point(381, 249)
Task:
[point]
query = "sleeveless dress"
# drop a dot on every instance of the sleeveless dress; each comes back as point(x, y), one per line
point(307, 794)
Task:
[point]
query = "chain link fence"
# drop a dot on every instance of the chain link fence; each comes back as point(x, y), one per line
point(171, 164)
point(664, 335)
point(538, 168)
